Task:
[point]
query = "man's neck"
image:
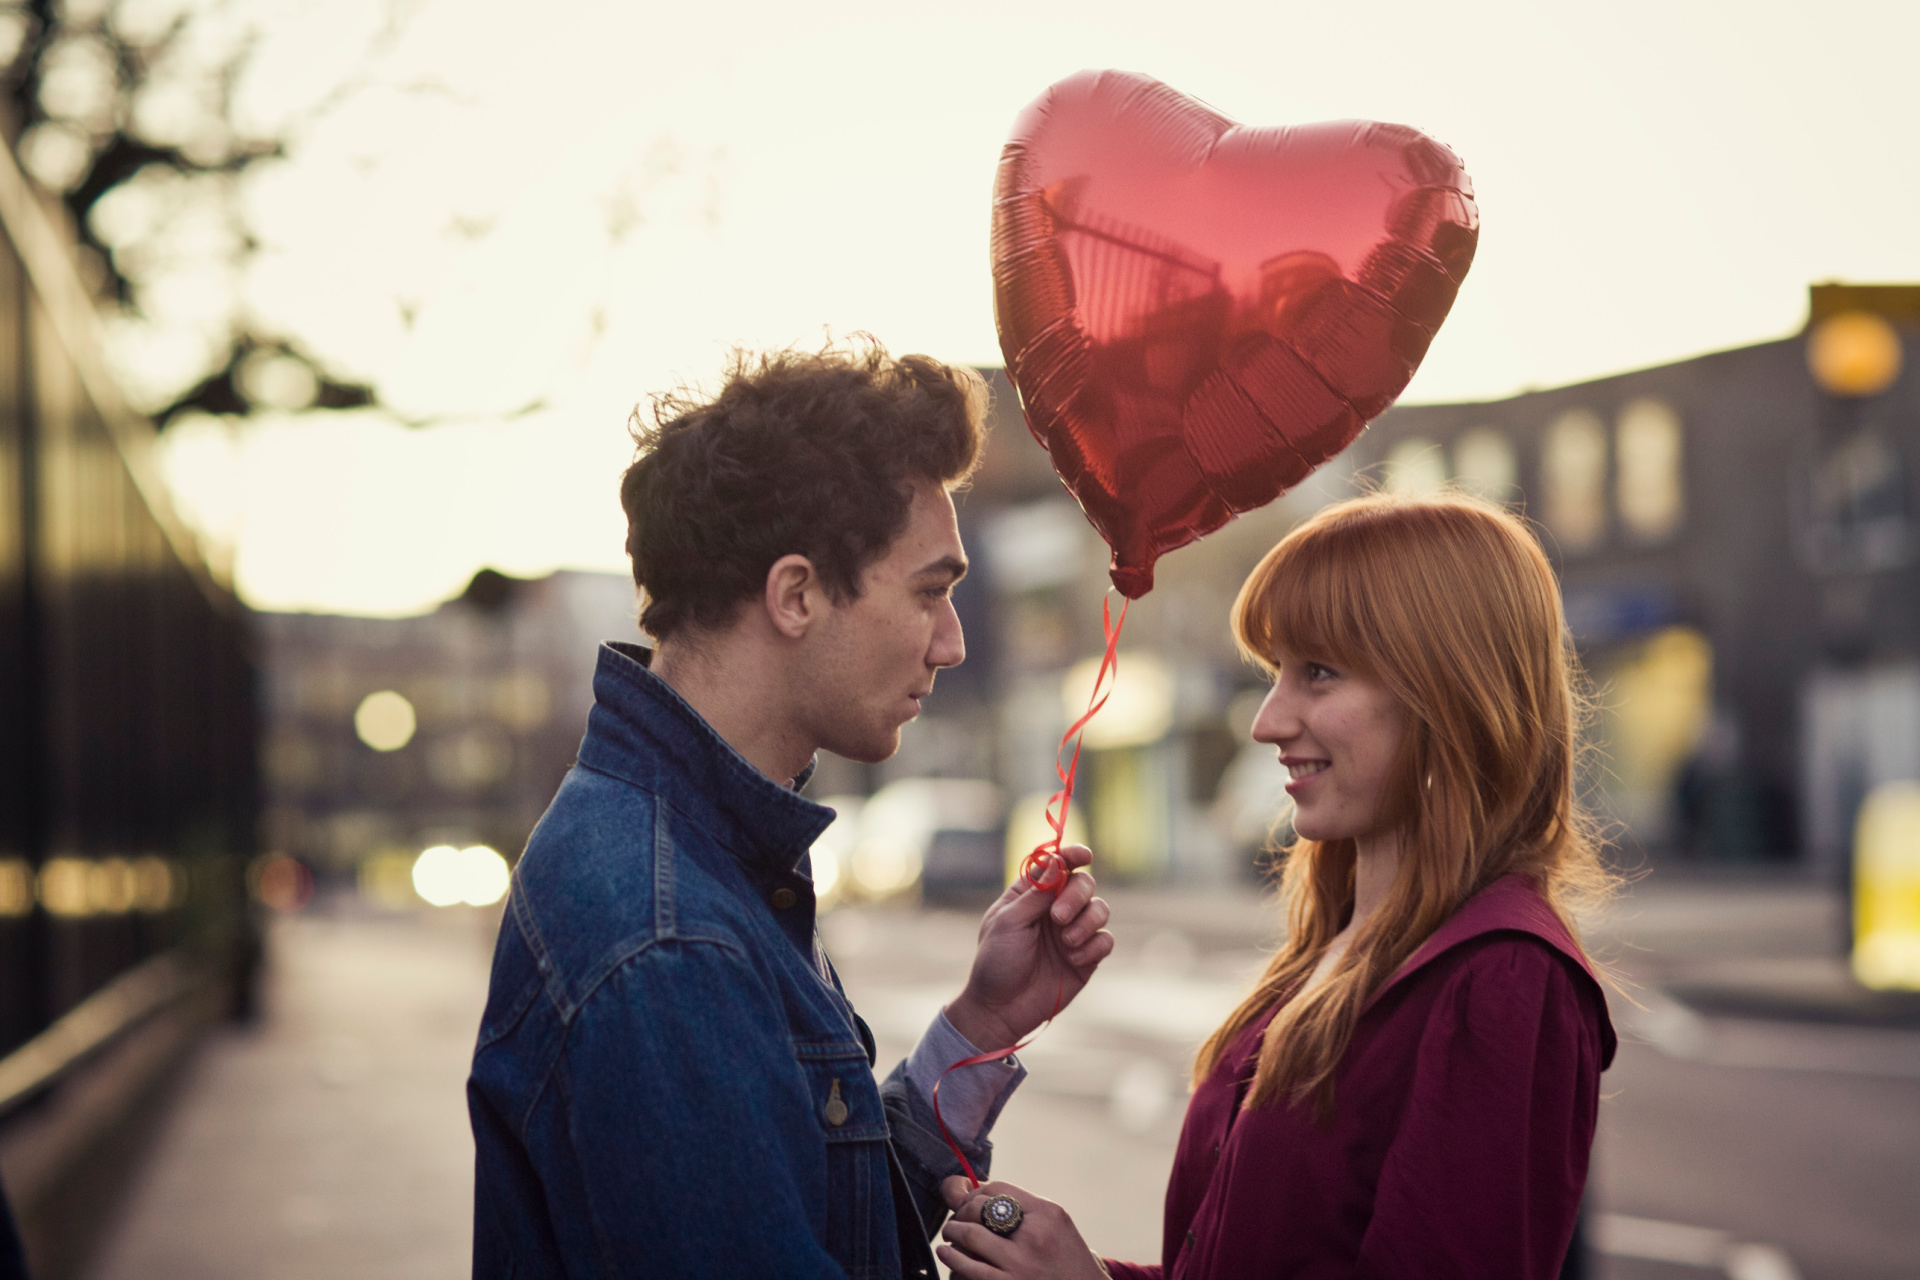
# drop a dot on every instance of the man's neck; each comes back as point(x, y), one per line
point(738, 691)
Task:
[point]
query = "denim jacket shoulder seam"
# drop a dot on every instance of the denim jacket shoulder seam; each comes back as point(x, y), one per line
point(559, 1049)
point(492, 1032)
point(550, 978)
point(640, 944)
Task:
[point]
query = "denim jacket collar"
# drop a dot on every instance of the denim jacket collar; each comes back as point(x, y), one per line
point(642, 731)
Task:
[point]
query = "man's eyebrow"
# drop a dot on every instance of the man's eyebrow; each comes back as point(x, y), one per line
point(953, 568)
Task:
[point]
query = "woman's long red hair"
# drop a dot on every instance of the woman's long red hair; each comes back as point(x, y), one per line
point(1450, 603)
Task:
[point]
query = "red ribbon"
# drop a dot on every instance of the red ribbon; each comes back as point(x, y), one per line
point(1044, 869)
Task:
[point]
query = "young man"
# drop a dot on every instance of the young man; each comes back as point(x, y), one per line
point(669, 1080)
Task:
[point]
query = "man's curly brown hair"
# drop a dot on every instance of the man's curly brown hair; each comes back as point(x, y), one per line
point(812, 453)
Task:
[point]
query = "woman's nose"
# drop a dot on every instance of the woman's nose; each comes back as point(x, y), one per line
point(1275, 722)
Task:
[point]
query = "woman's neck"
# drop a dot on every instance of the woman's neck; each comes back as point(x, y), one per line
point(1376, 861)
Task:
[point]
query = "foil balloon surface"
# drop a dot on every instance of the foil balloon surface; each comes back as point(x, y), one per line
point(1197, 313)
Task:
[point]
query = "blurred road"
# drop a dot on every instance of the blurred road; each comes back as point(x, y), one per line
point(332, 1140)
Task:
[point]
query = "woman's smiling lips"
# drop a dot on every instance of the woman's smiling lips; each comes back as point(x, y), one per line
point(1303, 770)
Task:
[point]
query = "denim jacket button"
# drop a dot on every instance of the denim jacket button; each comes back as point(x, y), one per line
point(784, 898)
point(836, 1108)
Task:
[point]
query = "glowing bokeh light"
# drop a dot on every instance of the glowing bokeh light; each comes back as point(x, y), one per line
point(1854, 353)
point(385, 721)
point(1139, 707)
point(282, 884)
point(833, 850)
point(1886, 888)
point(444, 876)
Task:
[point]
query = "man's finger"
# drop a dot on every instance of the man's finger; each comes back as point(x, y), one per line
point(1073, 898)
point(1089, 920)
point(1026, 907)
point(1093, 954)
point(1077, 856)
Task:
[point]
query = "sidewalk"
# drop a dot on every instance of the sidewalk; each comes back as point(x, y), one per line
point(1760, 948)
point(331, 1140)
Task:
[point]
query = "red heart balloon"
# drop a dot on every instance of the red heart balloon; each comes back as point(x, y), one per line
point(1195, 313)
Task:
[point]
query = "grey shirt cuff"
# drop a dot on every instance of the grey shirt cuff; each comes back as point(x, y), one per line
point(970, 1098)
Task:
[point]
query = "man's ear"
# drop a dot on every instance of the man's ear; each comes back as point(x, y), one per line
point(794, 595)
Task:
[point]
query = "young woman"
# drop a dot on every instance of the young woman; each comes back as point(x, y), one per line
point(1410, 1089)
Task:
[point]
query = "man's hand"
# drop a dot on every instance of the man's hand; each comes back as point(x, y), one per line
point(1035, 949)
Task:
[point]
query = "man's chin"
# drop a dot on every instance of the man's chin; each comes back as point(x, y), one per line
point(875, 750)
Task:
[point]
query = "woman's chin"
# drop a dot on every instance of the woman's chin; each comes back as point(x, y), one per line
point(1308, 828)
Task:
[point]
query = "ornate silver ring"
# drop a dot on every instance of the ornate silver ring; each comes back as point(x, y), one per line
point(1001, 1215)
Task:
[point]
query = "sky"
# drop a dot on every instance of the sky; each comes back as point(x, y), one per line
point(522, 221)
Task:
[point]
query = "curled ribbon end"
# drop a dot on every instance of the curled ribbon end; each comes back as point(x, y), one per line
point(1044, 869)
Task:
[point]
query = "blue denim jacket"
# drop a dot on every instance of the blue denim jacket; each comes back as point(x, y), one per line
point(669, 1080)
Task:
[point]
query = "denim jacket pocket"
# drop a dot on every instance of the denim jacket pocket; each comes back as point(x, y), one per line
point(848, 1111)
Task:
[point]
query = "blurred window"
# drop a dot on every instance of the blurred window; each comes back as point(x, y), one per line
point(1648, 447)
point(522, 701)
point(1039, 545)
point(470, 761)
point(292, 761)
point(1483, 460)
point(1858, 505)
point(1416, 468)
point(1573, 475)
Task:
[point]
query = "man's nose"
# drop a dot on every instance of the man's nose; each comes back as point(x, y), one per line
point(949, 647)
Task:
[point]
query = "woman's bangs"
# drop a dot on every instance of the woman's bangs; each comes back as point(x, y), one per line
point(1298, 602)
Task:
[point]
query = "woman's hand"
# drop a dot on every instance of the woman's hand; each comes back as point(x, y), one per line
point(1045, 1246)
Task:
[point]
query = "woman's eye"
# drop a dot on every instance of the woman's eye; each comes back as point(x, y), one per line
point(1317, 672)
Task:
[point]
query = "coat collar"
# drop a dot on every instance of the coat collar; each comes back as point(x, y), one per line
point(641, 731)
point(1510, 904)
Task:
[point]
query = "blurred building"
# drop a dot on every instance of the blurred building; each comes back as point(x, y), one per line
point(389, 735)
point(1736, 538)
point(1734, 533)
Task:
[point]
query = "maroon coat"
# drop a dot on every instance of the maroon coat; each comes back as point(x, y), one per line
point(1463, 1116)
